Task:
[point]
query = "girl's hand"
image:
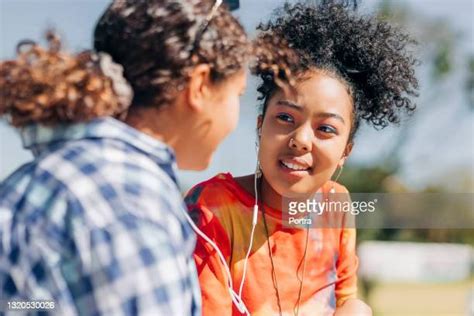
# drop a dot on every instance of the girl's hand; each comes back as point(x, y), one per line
point(353, 307)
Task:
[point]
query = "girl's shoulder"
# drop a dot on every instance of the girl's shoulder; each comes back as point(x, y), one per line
point(222, 188)
point(220, 200)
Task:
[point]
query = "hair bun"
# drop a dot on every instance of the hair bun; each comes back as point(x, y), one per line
point(114, 72)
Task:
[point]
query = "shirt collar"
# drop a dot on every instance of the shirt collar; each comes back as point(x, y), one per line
point(39, 138)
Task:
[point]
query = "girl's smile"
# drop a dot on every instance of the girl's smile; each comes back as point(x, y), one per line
point(295, 167)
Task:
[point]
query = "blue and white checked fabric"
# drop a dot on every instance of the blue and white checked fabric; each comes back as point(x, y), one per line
point(96, 224)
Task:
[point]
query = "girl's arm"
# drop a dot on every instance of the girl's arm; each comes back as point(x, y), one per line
point(347, 264)
point(346, 285)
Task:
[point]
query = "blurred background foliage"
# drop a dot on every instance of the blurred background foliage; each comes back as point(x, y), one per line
point(442, 52)
point(439, 45)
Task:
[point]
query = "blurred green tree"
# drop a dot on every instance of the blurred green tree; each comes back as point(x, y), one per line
point(439, 45)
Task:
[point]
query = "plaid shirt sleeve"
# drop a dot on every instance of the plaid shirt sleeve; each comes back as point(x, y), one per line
point(110, 241)
point(135, 266)
point(130, 266)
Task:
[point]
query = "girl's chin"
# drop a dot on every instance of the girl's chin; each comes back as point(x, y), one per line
point(196, 164)
point(291, 186)
point(295, 191)
point(297, 183)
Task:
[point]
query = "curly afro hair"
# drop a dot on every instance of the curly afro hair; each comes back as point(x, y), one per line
point(370, 56)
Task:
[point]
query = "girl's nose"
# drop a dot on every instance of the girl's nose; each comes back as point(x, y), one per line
point(302, 139)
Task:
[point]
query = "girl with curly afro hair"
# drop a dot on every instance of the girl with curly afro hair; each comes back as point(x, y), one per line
point(95, 223)
point(331, 69)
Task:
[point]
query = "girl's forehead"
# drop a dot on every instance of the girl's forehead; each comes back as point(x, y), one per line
point(316, 92)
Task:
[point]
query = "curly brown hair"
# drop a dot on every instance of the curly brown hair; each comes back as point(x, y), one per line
point(49, 86)
point(169, 43)
point(155, 43)
point(370, 56)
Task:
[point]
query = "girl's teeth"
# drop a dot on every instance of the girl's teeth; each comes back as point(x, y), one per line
point(293, 166)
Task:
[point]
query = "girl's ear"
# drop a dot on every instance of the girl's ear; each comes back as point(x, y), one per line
point(347, 152)
point(198, 90)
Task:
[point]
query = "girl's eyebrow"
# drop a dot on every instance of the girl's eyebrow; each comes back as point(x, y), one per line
point(291, 105)
point(300, 108)
point(331, 115)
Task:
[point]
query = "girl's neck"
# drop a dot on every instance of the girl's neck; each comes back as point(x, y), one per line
point(269, 196)
point(154, 123)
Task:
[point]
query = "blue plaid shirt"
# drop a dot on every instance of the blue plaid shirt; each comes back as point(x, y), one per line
point(95, 223)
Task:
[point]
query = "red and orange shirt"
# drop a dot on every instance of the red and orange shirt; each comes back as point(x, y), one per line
point(223, 209)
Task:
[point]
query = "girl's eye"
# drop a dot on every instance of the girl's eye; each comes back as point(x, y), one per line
point(327, 129)
point(285, 118)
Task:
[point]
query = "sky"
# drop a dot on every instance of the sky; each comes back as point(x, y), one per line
point(441, 140)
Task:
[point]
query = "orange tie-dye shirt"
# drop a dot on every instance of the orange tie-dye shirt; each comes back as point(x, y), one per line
point(223, 210)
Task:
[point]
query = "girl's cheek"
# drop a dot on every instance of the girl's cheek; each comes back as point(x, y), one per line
point(232, 113)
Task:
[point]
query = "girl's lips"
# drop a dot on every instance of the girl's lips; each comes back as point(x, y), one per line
point(291, 172)
point(296, 163)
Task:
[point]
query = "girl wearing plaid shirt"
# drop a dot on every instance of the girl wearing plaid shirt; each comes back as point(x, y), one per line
point(96, 221)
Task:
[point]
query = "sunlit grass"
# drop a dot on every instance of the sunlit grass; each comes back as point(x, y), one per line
point(440, 299)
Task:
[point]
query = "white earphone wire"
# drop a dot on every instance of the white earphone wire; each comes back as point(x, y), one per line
point(236, 299)
point(254, 224)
